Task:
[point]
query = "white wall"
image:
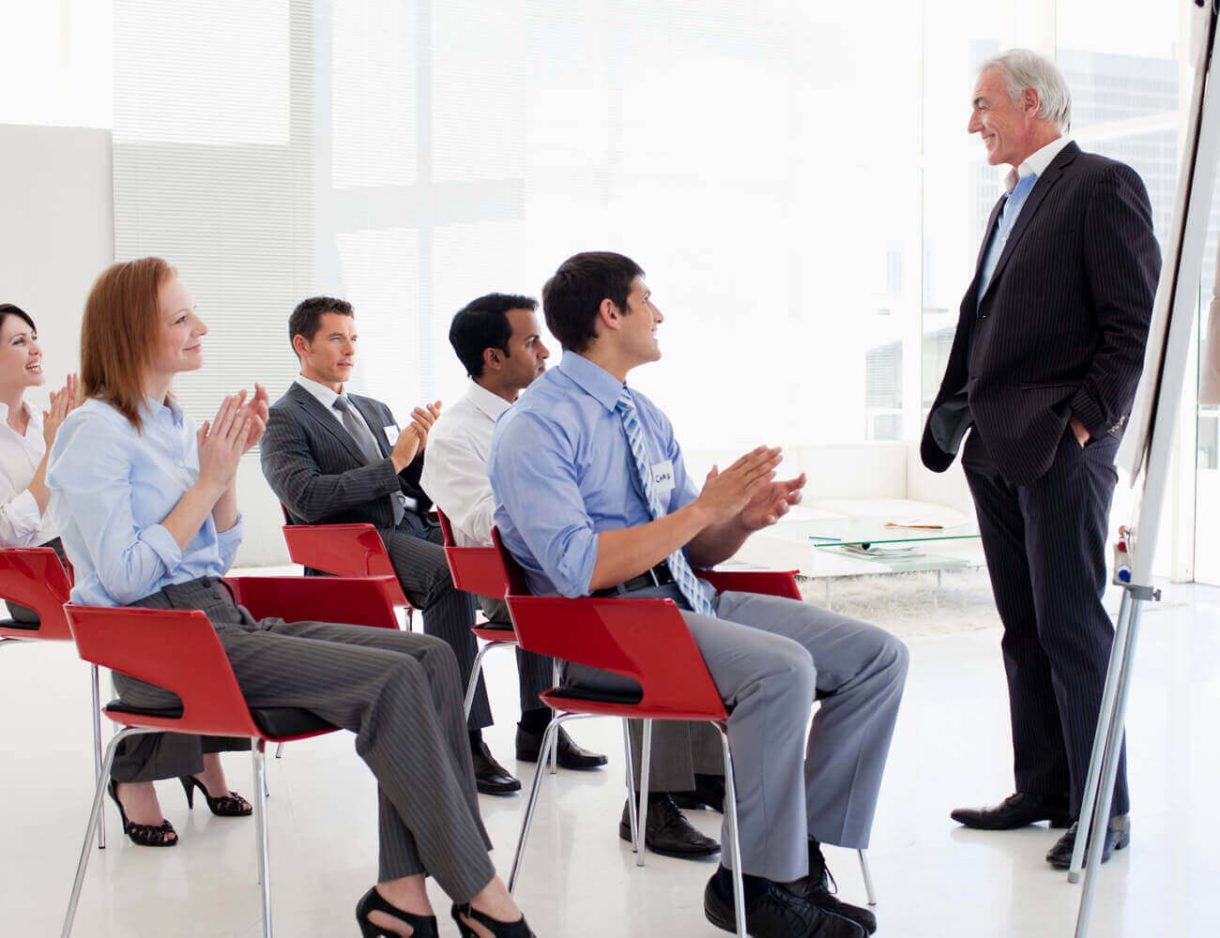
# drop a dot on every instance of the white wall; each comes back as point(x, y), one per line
point(56, 232)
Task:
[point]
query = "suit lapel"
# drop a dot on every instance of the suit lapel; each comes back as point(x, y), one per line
point(312, 409)
point(1037, 195)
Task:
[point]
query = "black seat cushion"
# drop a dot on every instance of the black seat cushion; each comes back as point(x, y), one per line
point(576, 692)
point(275, 722)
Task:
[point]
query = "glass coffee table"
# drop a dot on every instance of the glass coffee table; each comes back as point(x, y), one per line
point(873, 546)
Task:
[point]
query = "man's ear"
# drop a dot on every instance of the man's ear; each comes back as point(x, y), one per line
point(493, 358)
point(300, 345)
point(1031, 100)
point(609, 314)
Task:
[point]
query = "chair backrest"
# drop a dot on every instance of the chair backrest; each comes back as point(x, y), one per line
point(474, 569)
point(34, 577)
point(172, 648)
point(646, 640)
point(338, 549)
point(354, 600)
point(767, 582)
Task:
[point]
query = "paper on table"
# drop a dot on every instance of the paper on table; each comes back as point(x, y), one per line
point(916, 523)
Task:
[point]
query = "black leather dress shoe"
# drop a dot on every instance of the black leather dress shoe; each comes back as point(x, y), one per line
point(1016, 811)
point(777, 913)
point(1118, 835)
point(490, 777)
point(668, 832)
point(818, 888)
point(570, 755)
point(707, 793)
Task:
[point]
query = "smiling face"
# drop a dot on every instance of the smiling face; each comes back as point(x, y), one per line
point(639, 325)
point(20, 354)
point(180, 342)
point(1010, 130)
point(330, 355)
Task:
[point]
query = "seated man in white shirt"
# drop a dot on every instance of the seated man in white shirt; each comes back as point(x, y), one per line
point(498, 341)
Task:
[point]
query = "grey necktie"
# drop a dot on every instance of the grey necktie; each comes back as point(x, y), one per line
point(368, 446)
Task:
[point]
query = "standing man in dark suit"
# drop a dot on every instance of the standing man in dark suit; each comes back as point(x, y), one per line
point(1044, 365)
point(337, 458)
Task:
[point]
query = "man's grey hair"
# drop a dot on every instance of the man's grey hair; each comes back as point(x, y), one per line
point(1023, 69)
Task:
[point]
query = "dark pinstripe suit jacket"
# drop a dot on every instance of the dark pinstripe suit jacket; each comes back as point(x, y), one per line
point(1062, 326)
point(319, 474)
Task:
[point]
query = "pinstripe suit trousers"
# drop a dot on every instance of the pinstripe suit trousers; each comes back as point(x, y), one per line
point(1045, 546)
point(398, 692)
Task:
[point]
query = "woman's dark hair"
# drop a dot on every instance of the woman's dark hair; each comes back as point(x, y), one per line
point(9, 309)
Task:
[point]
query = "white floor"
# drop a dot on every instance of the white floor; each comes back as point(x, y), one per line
point(935, 879)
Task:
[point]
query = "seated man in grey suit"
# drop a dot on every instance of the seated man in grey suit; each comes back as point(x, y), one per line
point(593, 498)
point(335, 458)
point(499, 342)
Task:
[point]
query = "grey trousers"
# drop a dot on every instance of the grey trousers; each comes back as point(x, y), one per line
point(398, 692)
point(679, 750)
point(769, 657)
point(419, 560)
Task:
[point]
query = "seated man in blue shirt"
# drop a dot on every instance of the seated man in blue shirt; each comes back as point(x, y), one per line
point(593, 498)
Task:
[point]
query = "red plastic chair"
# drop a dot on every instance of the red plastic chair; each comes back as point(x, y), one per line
point(478, 570)
point(645, 640)
point(179, 650)
point(347, 550)
point(35, 578)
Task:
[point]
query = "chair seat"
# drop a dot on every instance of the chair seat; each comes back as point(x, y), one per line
point(495, 632)
point(13, 625)
point(618, 704)
point(273, 722)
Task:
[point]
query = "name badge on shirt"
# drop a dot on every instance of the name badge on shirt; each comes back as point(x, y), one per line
point(663, 480)
point(391, 433)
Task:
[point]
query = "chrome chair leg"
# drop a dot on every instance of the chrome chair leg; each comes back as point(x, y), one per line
point(95, 815)
point(631, 789)
point(477, 670)
point(527, 820)
point(258, 752)
point(279, 750)
point(641, 832)
point(868, 878)
point(97, 751)
point(734, 845)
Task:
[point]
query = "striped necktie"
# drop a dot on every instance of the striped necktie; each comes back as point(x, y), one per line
point(679, 566)
point(367, 444)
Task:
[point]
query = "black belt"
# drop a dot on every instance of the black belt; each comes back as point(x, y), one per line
point(655, 576)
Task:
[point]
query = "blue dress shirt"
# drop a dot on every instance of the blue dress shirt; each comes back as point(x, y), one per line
point(562, 472)
point(112, 486)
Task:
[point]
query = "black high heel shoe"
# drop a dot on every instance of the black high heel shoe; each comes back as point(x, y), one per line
point(144, 835)
point(517, 929)
point(424, 926)
point(230, 805)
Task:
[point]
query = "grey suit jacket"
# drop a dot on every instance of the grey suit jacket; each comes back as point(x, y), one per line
point(319, 474)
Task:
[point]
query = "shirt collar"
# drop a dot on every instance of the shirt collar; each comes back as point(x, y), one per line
point(34, 415)
point(1036, 162)
point(598, 383)
point(325, 395)
point(493, 405)
point(169, 406)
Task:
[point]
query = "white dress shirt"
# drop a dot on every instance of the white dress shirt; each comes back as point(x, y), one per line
point(21, 523)
point(455, 464)
point(1036, 162)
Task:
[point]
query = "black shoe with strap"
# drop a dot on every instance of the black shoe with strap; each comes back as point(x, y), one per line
point(230, 805)
point(775, 912)
point(498, 929)
point(1015, 811)
point(144, 835)
point(422, 926)
point(819, 888)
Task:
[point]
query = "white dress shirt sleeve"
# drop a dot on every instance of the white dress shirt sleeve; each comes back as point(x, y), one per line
point(455, 478)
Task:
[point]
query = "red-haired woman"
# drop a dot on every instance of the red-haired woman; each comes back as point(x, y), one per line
point(151, 520)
